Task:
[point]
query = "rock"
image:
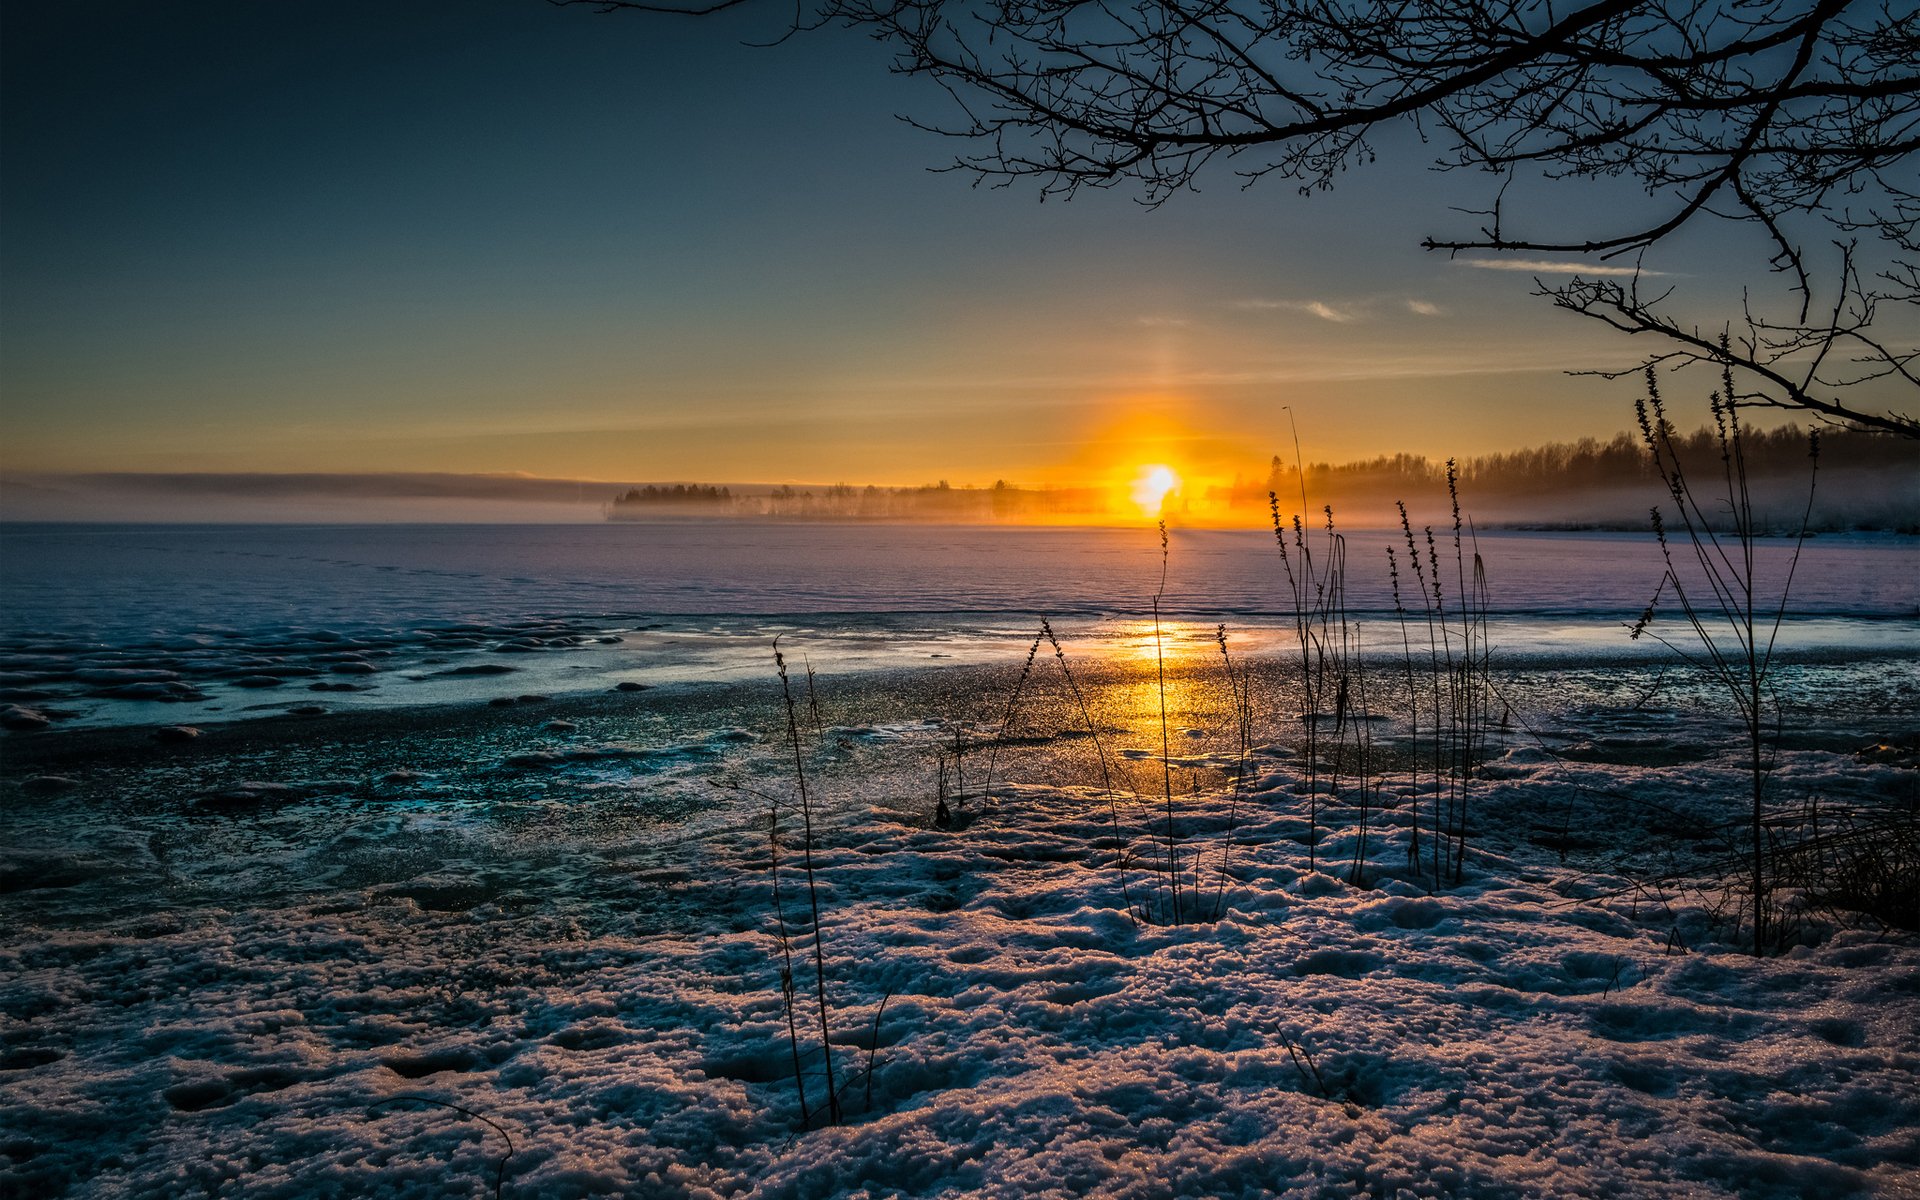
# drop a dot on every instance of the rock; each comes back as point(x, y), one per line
point(1896, 751)
point(402, 776)
point(326, 787)
point(27, 1058)
point(31, 870)
point(628, 685)
point(15, 694)
point(353, 668)
point(531, 699)
point(250, 792)
point(23, 720)
point(306, 710)
point(175, 733)
point(501, 701)
point(124, 675)
point(559, 726)
point(163, 692)
point(480, 669)
point(258, 681)
point(49, 783)
point(337, 687)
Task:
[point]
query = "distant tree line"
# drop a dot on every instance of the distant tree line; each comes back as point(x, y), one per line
point(1588, 463)
point(679, 493)
point(1867, 480)
point(1768, 452)
point(940, 502)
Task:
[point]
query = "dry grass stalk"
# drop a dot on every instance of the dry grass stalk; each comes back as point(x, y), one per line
point(813, 893)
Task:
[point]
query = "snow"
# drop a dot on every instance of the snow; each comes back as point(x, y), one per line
point(613, 1004)
point(439, 933)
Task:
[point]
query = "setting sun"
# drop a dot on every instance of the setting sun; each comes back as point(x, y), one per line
point(1151, 486)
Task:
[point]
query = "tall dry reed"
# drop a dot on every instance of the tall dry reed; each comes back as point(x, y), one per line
point(1735, 626)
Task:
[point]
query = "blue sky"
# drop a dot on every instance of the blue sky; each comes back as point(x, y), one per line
point(498, 236)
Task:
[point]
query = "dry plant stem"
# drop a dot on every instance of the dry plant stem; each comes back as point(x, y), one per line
point(1444, 756)
point(1435, 676)
point(1413, 699)
point(1737, 659)
point(1314, 598)
point(1481, 682)
point(1166, 749)
point(873, 1045)
point(813, 894)
point(500, 1172)
point(1298, 586)
point(1327, 653)
point(1304, 1066)
point(1428, 603)
point(1106, 775)
point(1240, 686)
point(1313, 655)
point(1463, 688)
point(1364, 739)
point(784, 938)
point(942, 815)
point(1336, 649)
point(1006, 719)
point(959, 766)
point(786, 959)
point(813, 702)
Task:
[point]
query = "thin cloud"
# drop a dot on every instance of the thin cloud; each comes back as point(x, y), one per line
point(1423, 308)
point(1339, 314)
point(1542, 266)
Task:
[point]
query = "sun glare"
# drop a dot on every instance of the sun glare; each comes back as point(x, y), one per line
point(1151, 486)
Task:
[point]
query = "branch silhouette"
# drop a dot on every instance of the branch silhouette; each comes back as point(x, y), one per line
point(1798, 118)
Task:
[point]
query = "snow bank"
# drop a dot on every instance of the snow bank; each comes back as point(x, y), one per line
point(1510, 1036)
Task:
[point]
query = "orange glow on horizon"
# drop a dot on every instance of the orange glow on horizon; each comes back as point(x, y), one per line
point(1152, 486)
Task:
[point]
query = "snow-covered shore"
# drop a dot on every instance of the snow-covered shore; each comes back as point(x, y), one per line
point(612, 1004)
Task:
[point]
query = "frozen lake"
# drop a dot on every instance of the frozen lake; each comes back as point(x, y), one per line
point(131, 624)
point(116, 580)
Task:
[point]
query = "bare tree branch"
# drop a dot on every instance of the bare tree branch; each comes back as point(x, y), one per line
point(1798, 117)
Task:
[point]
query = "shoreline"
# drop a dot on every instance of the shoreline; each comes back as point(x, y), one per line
point(227, 963)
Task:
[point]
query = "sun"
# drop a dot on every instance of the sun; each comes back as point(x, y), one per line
point(1151, 486)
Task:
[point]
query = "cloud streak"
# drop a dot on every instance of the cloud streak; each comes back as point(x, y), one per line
point(1339, 314)
point(1544, 266)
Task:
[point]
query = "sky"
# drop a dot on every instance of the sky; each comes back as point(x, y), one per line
point(495, 236)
